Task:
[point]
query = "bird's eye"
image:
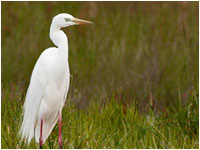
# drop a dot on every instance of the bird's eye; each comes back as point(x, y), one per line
point(67, 19)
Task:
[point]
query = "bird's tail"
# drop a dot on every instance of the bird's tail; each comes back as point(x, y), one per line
point(27, 128)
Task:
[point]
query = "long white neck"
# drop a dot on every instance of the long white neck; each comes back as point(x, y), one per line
point(59, 38)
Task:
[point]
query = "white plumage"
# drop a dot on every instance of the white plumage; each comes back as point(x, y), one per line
point(49, 83)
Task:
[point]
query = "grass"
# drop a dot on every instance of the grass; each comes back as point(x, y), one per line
point(111, 125)
point(134, 74)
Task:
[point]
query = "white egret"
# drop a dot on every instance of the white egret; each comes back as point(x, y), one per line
point(49, 85)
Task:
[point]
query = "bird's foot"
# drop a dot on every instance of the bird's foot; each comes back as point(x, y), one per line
point(60, 142)
point(41, 142)
point(60, 146)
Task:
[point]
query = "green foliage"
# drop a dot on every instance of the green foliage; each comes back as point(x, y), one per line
point(134, 73)
point(110, 125)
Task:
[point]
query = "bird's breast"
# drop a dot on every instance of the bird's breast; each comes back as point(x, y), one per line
point(57, 71)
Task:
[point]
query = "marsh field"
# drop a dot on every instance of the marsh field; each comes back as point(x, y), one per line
point(134, 73)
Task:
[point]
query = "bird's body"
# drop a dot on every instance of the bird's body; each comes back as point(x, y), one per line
point(47, 91)
point(49, 85)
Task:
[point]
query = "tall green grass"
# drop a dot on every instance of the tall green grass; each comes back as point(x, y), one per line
point(134, 74)
point(110, 125)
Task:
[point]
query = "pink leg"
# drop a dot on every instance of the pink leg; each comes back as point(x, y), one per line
point(60, 134)
point(41, 140)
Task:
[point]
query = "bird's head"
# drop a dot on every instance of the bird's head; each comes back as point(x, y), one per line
point(65, 20)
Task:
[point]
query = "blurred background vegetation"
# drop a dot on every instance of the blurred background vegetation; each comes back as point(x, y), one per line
point(142, 53)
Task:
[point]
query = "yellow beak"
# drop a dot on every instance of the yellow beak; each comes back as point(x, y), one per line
point(81, 21)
